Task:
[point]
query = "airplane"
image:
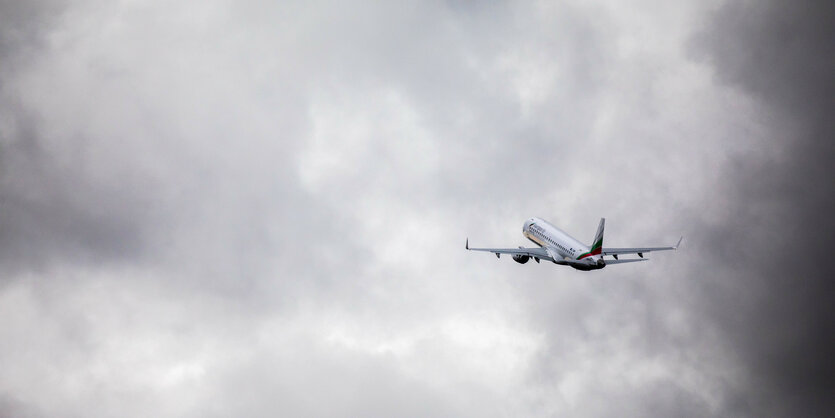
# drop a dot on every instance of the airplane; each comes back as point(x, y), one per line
point(560, 248)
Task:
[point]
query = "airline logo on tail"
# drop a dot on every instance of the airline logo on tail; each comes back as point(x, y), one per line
point(597, 246)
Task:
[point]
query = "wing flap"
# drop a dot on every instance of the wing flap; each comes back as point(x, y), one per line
point(639, 250)
point(615, 251)
point(630, 260)
point(539, 253)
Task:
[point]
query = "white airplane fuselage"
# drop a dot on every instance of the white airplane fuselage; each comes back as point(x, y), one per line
point(560, 245)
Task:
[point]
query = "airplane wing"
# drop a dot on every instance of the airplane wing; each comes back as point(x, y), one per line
point(538, 252)
point(637, 250)
point(631, 260)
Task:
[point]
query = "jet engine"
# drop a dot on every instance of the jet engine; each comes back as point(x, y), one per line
point(521, 259)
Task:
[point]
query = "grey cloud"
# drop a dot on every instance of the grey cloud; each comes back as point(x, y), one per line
point(777, 315)
point(259, 209)
point(13, 408)
point(47, 210)
point(22, 27)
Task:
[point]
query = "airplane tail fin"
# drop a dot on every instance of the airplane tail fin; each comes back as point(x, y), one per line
point(597, 244)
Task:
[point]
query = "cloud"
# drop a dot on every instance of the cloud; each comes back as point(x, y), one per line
point(777, 316)
point(250, 209)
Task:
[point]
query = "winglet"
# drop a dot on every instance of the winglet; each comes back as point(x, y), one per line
point(467, 244)
point(679, 242)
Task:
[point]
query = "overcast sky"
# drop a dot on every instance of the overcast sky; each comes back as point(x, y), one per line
point(252, 208)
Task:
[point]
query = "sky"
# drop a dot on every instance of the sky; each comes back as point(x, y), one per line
point(250, 208)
